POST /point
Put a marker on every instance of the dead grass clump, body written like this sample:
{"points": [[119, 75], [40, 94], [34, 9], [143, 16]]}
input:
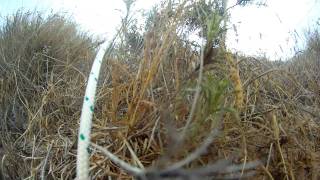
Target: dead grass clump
{"points": [[305, 68], [154, 110], [274, 116], [44, 63]]}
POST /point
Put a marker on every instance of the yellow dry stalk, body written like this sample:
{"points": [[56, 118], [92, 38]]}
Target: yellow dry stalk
{"points": [[235, 78], [176, 73], [275, 126], [276, 132]]}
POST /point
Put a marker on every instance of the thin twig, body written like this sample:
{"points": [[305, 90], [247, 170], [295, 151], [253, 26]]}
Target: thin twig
{"points": [[198, 152], [125, 166], [197, 93], [152, 132], [2, 166], [45, 162], [133, 154], [249, 81]]}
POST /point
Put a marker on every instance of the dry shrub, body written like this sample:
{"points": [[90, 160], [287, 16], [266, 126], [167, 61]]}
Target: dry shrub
{"points": [[257, 105], [44, 64]]}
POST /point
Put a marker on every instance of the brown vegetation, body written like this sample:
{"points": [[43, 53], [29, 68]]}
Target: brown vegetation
{"points": [[252, 109]]}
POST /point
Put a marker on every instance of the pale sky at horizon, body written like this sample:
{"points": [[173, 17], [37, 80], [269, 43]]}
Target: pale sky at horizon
{"points": [[273, 29], [261, 30]]}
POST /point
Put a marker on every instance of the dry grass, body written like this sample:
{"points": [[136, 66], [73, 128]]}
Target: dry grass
{"points": [[247, 109]]}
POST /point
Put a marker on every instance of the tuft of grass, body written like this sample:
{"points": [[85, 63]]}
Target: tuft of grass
{"points": [[44, 63]]}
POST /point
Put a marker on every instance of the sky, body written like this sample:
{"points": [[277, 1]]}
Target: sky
{"points": [[274, 30]]}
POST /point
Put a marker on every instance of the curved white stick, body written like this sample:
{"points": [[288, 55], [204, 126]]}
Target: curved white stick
{"points": [[86, 116]]}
